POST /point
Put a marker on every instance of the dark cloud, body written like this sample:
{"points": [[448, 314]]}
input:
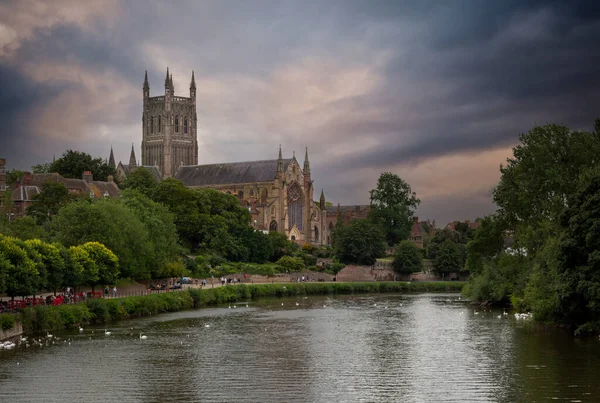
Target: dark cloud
{"points": [[368, 86]]}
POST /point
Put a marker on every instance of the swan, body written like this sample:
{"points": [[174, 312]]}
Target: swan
{"points": [[297, 304], [246, 305], [282, 304], [48, 335], [80, 329], [206, 325], [143, 337], [107, 333]]}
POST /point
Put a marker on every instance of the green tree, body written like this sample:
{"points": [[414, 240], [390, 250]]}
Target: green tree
{"points": [[53, 262], [73, 164], [360, 241], [47, 203], [4, 269], [291, 263], [77, 267], [22, 228], [160, 226], [111, 223], [106, 264], [487, 242], [407, 258], [579, 259], [20, 273], [537, 181], [40, 281], [13, 175], [141, 180], [449, 257], [41, 168], [280, 244], [392, 206]]}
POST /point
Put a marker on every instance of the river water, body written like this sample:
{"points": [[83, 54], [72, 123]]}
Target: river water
{"points": [[374, 348]]}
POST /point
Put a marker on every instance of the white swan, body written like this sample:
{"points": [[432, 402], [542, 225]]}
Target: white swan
{"points": [[107, 333], [80, 329], [143, 337], [297, 304]]}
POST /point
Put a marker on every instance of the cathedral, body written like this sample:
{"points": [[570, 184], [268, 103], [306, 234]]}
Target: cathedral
{"points": [[277, 192]]}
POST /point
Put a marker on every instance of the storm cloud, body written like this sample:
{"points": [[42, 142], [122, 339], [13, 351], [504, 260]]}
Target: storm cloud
{"points": [[434, 91]]}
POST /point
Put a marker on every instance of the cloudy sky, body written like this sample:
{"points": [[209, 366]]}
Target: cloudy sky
{"points": [[434, 91]]}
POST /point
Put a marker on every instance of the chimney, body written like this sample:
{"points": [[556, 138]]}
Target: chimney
{"points": [[87, 176], [111, 178], [27, 177]]}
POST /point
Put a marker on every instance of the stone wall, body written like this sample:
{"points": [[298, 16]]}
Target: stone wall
{"points": [[10, 333], [356, 273], [383, 271]]}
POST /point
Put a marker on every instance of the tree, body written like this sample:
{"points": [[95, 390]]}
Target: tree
{"points": [[439, 238], [537, 181], [20, 273], [106, 264], [41, 168], [114, 225], [360, 241], [77, 267], [73, 164], [47, 203], [579, 259], [13, 175], [449, 258], [142, 180], [392, 206], [160, 227], [487, 242], [22, 228], [280, 244], [407, 258], [53, 262]]}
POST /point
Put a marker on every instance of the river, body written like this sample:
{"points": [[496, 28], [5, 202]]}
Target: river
{"points": [[371, 348]]}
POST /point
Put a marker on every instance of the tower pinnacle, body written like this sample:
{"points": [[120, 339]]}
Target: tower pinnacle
{"points": [[111, 159], [193, 83], [132, 162], [280, 161], [167, 78], [146, 85], [306, 163]]}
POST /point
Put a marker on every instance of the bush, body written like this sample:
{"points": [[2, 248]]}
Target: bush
{"points": [[7, 321], [308, 248], [291, 263]]}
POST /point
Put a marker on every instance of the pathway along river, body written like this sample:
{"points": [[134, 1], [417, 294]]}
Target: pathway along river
{"points": [[384, 348]]}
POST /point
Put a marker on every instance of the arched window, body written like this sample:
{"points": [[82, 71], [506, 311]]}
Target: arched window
{"points": [[185, 125], [273, 226], [241, 194], [316, 234], [176, 124], [151, 125], [160, 124], [295, 206]]}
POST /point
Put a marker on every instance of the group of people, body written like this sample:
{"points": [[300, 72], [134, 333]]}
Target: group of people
{"points": [[225, 280], [302, 279], [114, 292]]}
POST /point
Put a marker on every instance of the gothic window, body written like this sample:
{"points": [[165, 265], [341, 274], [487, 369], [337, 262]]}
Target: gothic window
{"points": [[176, 124], [151, 125], [185, 125], [273, 226], [316, 234], [241, 194], [295, 206], [159, 124]]}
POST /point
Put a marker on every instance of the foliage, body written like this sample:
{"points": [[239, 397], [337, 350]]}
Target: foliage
{"points": [[20, 271], [160, 227], [47, 203], [542, 174], [392, 206], [107, 264], [7, 321], [52, 261], [22, 228], [407, 258], [171, 269], [291, 263], [13, 175], [142, 180], [308, 248], [281, 246], [43, 168], [72, 164], [487, 242], [448, 257], [360, 241], [111, 223]]}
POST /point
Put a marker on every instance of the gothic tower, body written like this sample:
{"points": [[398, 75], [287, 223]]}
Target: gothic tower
{"points": [[169, 128]]}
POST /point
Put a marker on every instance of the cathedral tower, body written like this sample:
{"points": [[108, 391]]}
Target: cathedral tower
{"points": [[169, 128]]}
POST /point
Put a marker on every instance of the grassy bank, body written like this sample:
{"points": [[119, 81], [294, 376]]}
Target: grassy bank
{"points": [[96, 311]]}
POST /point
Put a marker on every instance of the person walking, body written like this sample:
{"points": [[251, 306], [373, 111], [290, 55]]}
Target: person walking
{"points": [[115, 292]]}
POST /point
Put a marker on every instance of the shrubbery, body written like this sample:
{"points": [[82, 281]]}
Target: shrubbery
{"points": [[7, 321]]}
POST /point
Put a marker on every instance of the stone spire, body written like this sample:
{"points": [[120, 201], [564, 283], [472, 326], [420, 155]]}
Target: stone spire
{"points": [[193, 83], [322, 201], [171, 84], [146, 85], [111, 159], [132, 162], [167, 84], [280, 161], [306, 163]]}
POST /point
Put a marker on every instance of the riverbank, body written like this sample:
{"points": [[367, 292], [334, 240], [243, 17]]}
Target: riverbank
{"points": [[97, 311]]}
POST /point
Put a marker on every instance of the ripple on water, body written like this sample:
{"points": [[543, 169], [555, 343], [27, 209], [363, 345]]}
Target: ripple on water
{"points": [[421, 348]]}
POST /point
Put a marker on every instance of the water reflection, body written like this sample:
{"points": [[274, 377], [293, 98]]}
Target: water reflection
{"points": [[406, 348]]}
